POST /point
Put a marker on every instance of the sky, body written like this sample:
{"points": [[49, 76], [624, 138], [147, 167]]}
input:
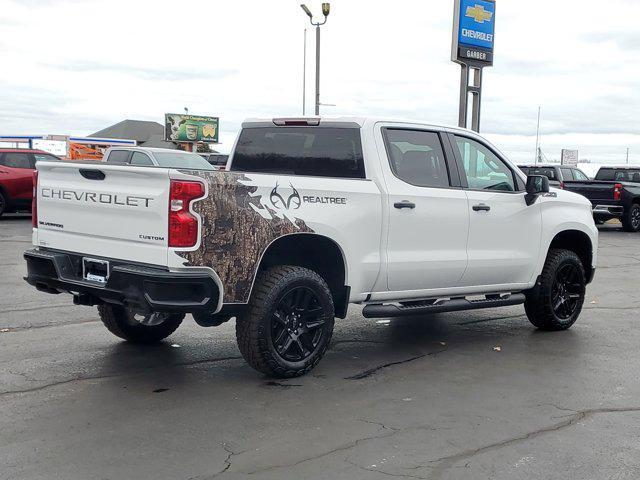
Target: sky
{"points": [[75, 67]]}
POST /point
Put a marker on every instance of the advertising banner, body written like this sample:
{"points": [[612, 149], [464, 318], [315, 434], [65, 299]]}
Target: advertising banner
{"points": [[190, 128], [473, 31]]}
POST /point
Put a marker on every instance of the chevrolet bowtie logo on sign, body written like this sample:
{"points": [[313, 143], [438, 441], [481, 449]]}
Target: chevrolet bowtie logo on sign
{"points": [[478, 13]]}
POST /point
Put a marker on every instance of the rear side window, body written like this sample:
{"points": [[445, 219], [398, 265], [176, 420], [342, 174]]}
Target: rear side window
{"points": [[118, 156], [16, 160], [317, 152], [417, 158], [550, 173], [567, 174]]}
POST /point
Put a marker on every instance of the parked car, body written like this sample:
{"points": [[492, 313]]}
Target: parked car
{"points": [[614, 193], [402, 218], [218, 160], [17, 167], [156, 157], [557, 174]]}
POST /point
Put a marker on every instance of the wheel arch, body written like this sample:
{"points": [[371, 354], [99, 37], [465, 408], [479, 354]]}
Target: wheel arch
{"points": [[578, 242], [315, 252]]}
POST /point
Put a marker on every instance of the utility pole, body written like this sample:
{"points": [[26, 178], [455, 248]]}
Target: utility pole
{"points": [[304, 75], [535, 161], [325, 13], [627, 155]]}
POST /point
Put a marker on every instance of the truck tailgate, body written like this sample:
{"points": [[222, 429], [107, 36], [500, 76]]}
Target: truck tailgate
{"points": [[594, 190], [103, 210]]}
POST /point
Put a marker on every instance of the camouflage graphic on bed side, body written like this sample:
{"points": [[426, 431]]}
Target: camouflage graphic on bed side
{"points": [[236, 229]]}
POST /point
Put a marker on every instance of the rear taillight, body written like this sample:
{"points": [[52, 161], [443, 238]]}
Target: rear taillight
{"points": [[34, 201], [562, 185], [617, 191], [183, 226]]}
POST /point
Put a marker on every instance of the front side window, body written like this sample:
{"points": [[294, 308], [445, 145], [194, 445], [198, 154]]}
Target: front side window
{"points": [[417, 158], [311, 151], [45, 157], [483, 169], [141, 159], [178, 159], [16, 160]]}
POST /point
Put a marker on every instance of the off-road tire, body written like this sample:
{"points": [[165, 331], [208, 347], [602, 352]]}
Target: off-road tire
{"points": [[631, 219], [254, 325], [538, 304], [121, 322]]}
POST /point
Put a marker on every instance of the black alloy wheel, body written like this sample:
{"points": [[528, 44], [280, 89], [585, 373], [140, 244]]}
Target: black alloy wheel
{"points": [[296, 324], [566, 291]]}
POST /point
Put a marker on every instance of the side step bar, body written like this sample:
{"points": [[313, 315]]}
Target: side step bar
{"points": [[439, 306]]}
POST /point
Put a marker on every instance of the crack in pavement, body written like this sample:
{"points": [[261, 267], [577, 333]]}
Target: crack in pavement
{"points": [[388, 474], [33, 309], [371, 371], [341, 448], [446, 462], [38, 327], [113, 375]]}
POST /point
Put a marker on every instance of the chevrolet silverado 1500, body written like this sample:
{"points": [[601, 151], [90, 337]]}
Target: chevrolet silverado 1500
{"points": [[403, 218]]}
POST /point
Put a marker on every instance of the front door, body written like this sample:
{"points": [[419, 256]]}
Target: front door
{"points": [[504, 233], [428, 212]]}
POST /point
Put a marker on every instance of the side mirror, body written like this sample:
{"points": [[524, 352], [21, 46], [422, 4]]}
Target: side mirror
{"points": [[536, 185]]}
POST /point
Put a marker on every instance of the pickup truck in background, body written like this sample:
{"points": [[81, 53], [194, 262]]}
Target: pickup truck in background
{"points": [[557, 174], [614, 193], [316, 214]]}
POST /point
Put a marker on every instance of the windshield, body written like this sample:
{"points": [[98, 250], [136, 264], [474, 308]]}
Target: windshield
{"points": [[182, 160]]}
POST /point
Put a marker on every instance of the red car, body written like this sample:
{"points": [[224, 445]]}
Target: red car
{"points": [[16, 177]]}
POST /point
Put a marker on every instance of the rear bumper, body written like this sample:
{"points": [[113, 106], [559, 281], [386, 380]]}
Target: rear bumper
{"points": [[608, 210], [141, 287]]}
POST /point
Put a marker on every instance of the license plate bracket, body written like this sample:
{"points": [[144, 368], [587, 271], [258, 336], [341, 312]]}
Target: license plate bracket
{"points": [[95, 270]]}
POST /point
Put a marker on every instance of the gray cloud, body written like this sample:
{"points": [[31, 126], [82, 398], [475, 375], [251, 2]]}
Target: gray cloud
{"points": [[146, 73]]}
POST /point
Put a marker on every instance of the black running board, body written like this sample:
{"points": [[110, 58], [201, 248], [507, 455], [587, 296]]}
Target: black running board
{"points": [[440, 306]]}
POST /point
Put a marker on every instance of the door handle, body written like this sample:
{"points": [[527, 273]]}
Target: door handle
{"points": [[481, 208], [405, 204]]}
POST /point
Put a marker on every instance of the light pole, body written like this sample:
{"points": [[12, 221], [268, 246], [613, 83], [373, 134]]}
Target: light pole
{"points": [[325, 13]]}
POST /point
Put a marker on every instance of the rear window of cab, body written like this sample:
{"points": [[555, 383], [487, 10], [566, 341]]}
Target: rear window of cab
{"points": [[308, 151]]}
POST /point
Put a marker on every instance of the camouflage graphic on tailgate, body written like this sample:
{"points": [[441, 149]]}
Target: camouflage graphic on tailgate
{"points": [[237, 226]]}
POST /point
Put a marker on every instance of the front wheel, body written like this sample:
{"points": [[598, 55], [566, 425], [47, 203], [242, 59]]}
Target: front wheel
{"points": [[287, 327], [631, 219], [137, 327], [556, 301]]}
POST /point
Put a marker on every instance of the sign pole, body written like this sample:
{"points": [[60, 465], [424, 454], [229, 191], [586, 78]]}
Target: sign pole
{"points": [[472, 48]]}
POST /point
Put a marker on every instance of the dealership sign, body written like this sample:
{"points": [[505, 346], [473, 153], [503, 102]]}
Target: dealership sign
{"points": [[191, 128], [473, 32]]}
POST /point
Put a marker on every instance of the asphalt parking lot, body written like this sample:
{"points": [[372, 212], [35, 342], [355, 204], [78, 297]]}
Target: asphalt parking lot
{"points": [[453, 396]]}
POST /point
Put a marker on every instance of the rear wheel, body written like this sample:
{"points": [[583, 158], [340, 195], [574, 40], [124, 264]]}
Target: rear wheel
{"points": [[3, 204], [136, 327], [631, 219], [556, 301], [287, 327]]}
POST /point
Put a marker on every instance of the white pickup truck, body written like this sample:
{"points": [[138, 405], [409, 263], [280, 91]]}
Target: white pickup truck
{"points": [[316, 214]]}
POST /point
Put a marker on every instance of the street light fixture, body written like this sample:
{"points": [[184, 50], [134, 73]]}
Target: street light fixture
{"points": [[325, 12]]}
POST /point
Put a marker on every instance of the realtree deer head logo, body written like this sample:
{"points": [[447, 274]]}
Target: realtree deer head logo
{"points": [[292, 202]]}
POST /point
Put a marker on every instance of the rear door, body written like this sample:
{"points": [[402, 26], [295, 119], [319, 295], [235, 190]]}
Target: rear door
{"points": [[428, 213], [504, 233], [104, 210]]}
